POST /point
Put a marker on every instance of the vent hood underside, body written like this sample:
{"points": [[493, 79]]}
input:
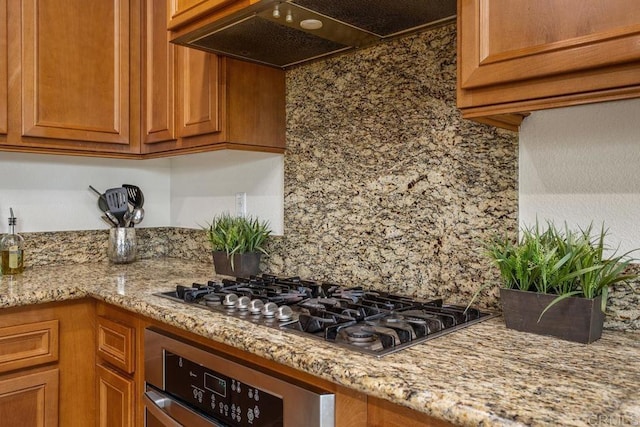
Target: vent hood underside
{"points": [[255, 34]]}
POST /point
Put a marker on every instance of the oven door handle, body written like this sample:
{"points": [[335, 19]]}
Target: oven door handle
{"points": [[173, 414]]}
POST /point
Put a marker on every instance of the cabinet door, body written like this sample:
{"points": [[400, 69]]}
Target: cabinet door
{"points": [[75, 71], [521, 51], [115, 399], [198, 96], [30, 400], [4, 100], [158, 109]]}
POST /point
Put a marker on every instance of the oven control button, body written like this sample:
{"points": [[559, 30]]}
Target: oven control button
{"points": [[256, 412], [250, 416], [256, 396], [221, 407]]}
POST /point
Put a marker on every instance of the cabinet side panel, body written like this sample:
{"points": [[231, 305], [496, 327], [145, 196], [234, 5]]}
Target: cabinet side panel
{"points": [[4, 100]]}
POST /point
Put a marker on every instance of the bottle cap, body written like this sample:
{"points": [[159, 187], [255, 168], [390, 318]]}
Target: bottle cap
{"points": [[12, 218]]}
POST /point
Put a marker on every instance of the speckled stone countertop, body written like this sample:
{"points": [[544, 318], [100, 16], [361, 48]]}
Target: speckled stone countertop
{"points": [[481, 375]]}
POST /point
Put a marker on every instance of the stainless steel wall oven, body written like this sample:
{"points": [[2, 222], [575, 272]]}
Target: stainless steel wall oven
{"points": [[188, 385]]}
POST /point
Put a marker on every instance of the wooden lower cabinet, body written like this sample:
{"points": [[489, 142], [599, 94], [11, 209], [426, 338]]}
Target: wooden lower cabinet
{"points": [[62, 382], [30, 399], [382, 413], [116, 398], [47, 372]]}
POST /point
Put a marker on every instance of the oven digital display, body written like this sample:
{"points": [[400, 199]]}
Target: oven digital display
{"points": [[219, 396], [215, 384]]}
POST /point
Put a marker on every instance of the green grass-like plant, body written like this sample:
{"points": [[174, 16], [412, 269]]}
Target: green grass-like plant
{"points": [[236, 234], [556, 261]]}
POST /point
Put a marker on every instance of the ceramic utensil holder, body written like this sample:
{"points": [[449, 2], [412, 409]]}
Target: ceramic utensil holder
{"points": [[123, 245]]}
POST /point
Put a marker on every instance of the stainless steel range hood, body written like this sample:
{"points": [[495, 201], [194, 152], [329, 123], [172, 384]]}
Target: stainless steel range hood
{"points": [[283, 33]]}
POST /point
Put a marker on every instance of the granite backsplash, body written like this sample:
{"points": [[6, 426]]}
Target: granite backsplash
{"points": [[385, 185]]}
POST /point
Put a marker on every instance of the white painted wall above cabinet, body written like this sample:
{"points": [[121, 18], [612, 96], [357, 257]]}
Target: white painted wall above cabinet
{"points": [[50, 193], [582, 164]]}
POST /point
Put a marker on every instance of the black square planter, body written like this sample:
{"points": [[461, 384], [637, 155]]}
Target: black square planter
{"points": [[574, 319], [244, 265]]}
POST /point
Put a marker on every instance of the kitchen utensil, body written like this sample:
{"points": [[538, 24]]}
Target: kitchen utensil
{"points": [[112, 219], [112, 223], [102, 202], [136, 197], [123, 247], [138, 215], [118, 203]]}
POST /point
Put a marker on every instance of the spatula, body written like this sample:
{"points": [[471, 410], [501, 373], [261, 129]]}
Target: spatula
{"points": [[117, 200], [136, 198]]}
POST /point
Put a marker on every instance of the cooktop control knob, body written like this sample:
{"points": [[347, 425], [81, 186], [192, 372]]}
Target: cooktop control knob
{"points": [[284, 313], [255, 306], [230, 300], [269, 309], [243, 303]]}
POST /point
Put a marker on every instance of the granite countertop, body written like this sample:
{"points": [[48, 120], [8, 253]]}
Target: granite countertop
{"points": [[483, 374]]}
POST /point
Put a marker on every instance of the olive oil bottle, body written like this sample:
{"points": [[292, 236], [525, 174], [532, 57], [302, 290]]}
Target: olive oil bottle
{"points": [[12, 250]]}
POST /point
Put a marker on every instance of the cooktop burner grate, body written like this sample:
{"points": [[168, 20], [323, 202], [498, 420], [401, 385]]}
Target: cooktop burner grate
{"points": [[367, 321]]}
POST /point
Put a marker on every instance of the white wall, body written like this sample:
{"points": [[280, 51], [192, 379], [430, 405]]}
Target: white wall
{"points": [[203, 185], [51, 193], [581, 165]]}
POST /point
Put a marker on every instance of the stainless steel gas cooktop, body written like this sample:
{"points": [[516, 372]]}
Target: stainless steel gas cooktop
{"points": [[367, 321]]}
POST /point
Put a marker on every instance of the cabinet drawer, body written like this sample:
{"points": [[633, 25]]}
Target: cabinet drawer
{"points": [[28, 345], [116, 344]]}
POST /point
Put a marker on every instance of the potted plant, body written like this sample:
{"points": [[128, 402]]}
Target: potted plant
{"points": [[237, 243], [555, 282]]}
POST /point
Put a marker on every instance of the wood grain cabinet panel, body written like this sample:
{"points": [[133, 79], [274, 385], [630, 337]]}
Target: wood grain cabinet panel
{"points": [[116, 344], [183, 11], [516, 56], [75, 64], [4, 100], [382, 413], [116, 398], [30, 400], [158, 76], [28, 345], [198, 98]]}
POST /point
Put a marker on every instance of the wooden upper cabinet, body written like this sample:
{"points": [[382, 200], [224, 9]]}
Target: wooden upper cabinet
{"points": [[183, 11], [158, 75], [194, 101], [517, 56], [76, 74], [105, 81], [4, 100], [198, 76]]}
